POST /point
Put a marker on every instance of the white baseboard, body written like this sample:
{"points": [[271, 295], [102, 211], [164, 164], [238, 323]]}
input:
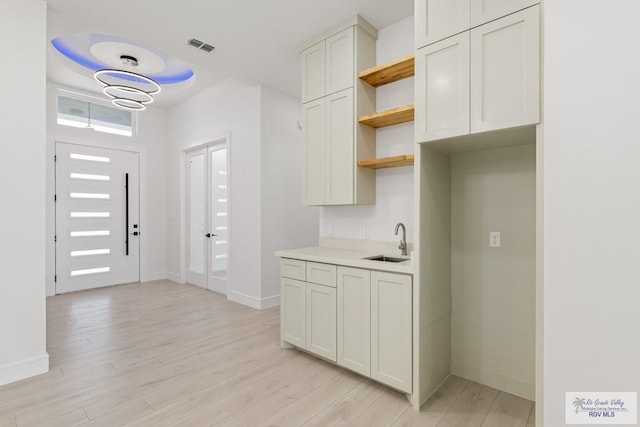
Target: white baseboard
{"points": [[150, 277], [270, 302], [501, 382], [174, 277], [253, 302], [17, 371]]}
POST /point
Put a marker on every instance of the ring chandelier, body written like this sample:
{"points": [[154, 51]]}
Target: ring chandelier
{"points": [[128, 90]]}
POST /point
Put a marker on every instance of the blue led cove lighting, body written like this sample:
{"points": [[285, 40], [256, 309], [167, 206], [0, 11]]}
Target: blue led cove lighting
{"points": [[94, 66]]}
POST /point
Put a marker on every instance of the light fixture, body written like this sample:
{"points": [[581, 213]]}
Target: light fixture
{"points": [[128, 90]]}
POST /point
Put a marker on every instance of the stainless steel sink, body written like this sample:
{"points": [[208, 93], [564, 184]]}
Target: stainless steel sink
{"points": [[384, 258]]}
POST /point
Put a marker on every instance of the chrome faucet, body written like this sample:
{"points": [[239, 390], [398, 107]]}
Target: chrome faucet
{"points": [[403, 241]]}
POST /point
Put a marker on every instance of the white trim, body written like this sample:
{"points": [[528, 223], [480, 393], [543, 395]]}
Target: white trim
{"points": [[16, 371], [269, 302], [150, 277], [174, 277], [509, 385], [253, 302]]}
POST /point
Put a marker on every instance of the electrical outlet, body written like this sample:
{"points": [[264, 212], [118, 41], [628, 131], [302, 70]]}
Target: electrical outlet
{"points": [[494, 239]]}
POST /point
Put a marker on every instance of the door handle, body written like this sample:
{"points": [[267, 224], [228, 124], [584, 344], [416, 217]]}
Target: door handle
{"points": [[210, 235], [126, 214]]}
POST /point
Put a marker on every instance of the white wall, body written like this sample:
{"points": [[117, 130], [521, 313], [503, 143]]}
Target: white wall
{"points": [[151, 142], [230, 108], [493, 289], [591, 200], [22, 184], [239, 111], [394, 186], [286, 223]]}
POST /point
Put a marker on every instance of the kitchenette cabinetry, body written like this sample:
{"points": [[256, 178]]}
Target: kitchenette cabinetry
{"points": [[332, 99], [391, 329], [483, 79], [439, 19], [483, 11], [356, 317], [308, 306]]}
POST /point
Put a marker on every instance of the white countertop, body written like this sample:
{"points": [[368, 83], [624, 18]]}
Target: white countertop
{"points": [[349, 258]]}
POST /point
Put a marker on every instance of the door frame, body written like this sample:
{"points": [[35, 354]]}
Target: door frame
{"points": [[184, 200], [50, 247]]}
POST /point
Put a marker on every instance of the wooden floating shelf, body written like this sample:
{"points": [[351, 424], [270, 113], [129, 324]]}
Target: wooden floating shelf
{"points": [[390, 72], [390, 117], [388, 162]]}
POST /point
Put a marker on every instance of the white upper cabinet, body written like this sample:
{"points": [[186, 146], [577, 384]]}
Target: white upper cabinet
{"points": [[480, 80], [438, 19], [328, 66], [483, 11], [331, 103], [313, 179], [340, 73], [340, 165], [313, 72], [442, 89], [505, 72]]}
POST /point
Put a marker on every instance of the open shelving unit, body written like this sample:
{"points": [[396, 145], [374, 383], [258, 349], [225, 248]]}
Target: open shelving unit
{"points": [[388, 162], [390, 117], [390, 72], [379, 75]]}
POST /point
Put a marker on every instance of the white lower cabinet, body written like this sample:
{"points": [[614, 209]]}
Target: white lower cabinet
{"points": [[354, 319], [391, 329], [293, 311], [321, 320], [360, 319]]}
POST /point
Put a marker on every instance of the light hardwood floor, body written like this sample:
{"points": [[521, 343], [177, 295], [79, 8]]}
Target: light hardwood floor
{"points": [[163, 354]]}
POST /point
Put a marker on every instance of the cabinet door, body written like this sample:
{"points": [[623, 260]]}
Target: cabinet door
{"points": [[340, 72], [313, 72], [340, 165], [505, 76], [391, 329], [354, 319], [293, 312], [439, 19], [483, 11], [442, 89], [313, 128], [321, 321]]}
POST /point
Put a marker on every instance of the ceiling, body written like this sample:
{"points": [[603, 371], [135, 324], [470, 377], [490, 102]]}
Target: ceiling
{"points": [[256, 40]]}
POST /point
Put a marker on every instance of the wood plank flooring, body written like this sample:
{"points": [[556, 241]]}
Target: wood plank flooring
{"points": [[162, 354]]}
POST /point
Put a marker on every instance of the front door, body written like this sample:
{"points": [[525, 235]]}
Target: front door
{"points": [[97, 217]]}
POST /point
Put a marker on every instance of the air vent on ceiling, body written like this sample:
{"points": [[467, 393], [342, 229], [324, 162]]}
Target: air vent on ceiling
{"points": [[201, 45]]}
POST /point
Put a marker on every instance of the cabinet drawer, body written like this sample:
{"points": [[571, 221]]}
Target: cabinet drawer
{"points": [[292, 268], [322, 274]]}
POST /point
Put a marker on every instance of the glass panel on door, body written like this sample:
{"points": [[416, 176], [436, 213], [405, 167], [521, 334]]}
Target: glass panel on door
{"points": [[219, 212]]}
